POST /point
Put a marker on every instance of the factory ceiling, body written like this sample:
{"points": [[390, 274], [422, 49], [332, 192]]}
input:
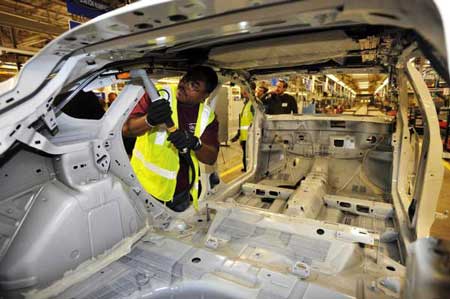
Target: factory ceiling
{"points": [[26, 26]]}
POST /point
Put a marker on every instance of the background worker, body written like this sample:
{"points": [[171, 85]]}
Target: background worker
{"points": [[278, 102], [112, 96], [160, 167], [245, 120], [260, 91]]}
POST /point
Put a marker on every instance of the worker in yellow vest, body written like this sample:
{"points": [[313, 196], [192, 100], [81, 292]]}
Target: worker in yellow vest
{"points": [[245, 120], [163, 171]]}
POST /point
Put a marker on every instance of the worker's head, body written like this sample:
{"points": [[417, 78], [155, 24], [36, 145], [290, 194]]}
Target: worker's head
{"points": [[260, 91], [196, 85], [111, 97], [281, 87], [244, 94]]}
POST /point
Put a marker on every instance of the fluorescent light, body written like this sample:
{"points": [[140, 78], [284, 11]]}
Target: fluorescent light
{"points": [[382, 85], [160, 40], [335, 79], [8, 66], [243, 25]]}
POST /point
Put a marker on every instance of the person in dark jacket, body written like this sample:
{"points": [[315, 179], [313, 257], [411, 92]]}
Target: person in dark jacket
{"points": [[278, 102]]}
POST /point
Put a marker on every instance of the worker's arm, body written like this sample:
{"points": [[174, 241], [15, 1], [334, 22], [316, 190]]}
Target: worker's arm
{"points": [[236, 137], [158, 113], [238, 133], [210, 144], [207, 154], [204, 152], [293, 104], [294, 107], [206, 148], [135, 127]]}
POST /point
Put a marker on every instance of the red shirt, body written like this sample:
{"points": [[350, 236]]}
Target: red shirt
{"points": [[187, 118]]}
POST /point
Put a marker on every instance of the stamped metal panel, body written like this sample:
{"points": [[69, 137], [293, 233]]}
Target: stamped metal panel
{"points": [[431, 171], [18, 194]]}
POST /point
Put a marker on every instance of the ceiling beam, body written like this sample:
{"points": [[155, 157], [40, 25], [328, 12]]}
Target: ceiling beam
{"points": [[30, 25], [32, 40], [19, 51], [34, 15], [45, 10]]}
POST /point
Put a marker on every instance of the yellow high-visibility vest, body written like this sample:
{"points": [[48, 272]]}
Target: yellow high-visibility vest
{"points": [[245, 121], [156, 162]]}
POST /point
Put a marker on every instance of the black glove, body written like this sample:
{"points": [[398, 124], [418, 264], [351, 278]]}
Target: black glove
{"points": [[236, 137], [182, 139], [159, 112]]}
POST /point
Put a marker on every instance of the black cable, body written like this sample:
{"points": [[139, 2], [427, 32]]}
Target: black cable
{"points": [[188, 159]]}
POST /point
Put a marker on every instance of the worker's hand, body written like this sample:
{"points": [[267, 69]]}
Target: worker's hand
{"points": [[159, 112], [182, 139], [236, 137]]}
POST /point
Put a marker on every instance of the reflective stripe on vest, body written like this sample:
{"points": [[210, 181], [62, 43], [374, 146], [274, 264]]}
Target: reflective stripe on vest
{"points": [[162, 156], [245, 121], [155, 168]]}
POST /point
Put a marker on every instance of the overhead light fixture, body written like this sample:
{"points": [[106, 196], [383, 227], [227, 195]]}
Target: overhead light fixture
{"points": [[335, 79], [243, 25], [160, 40], [385, 82], [8, 66]]}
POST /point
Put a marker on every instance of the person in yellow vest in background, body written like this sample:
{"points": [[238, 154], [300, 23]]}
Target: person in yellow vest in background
{"points": [[161, 169], [245, 120]]}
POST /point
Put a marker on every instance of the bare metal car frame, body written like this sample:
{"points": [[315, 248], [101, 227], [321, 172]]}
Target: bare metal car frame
{"points": [[76, 222]]}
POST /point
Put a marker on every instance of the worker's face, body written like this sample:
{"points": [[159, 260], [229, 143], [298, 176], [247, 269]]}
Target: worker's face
{"points": [[111, 97], [280, 89], [191, 92], [259, 92], [244, 94]]}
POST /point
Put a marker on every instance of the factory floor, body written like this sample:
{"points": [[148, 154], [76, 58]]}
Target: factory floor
{"points": [[229, 164], [229, 161]]}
